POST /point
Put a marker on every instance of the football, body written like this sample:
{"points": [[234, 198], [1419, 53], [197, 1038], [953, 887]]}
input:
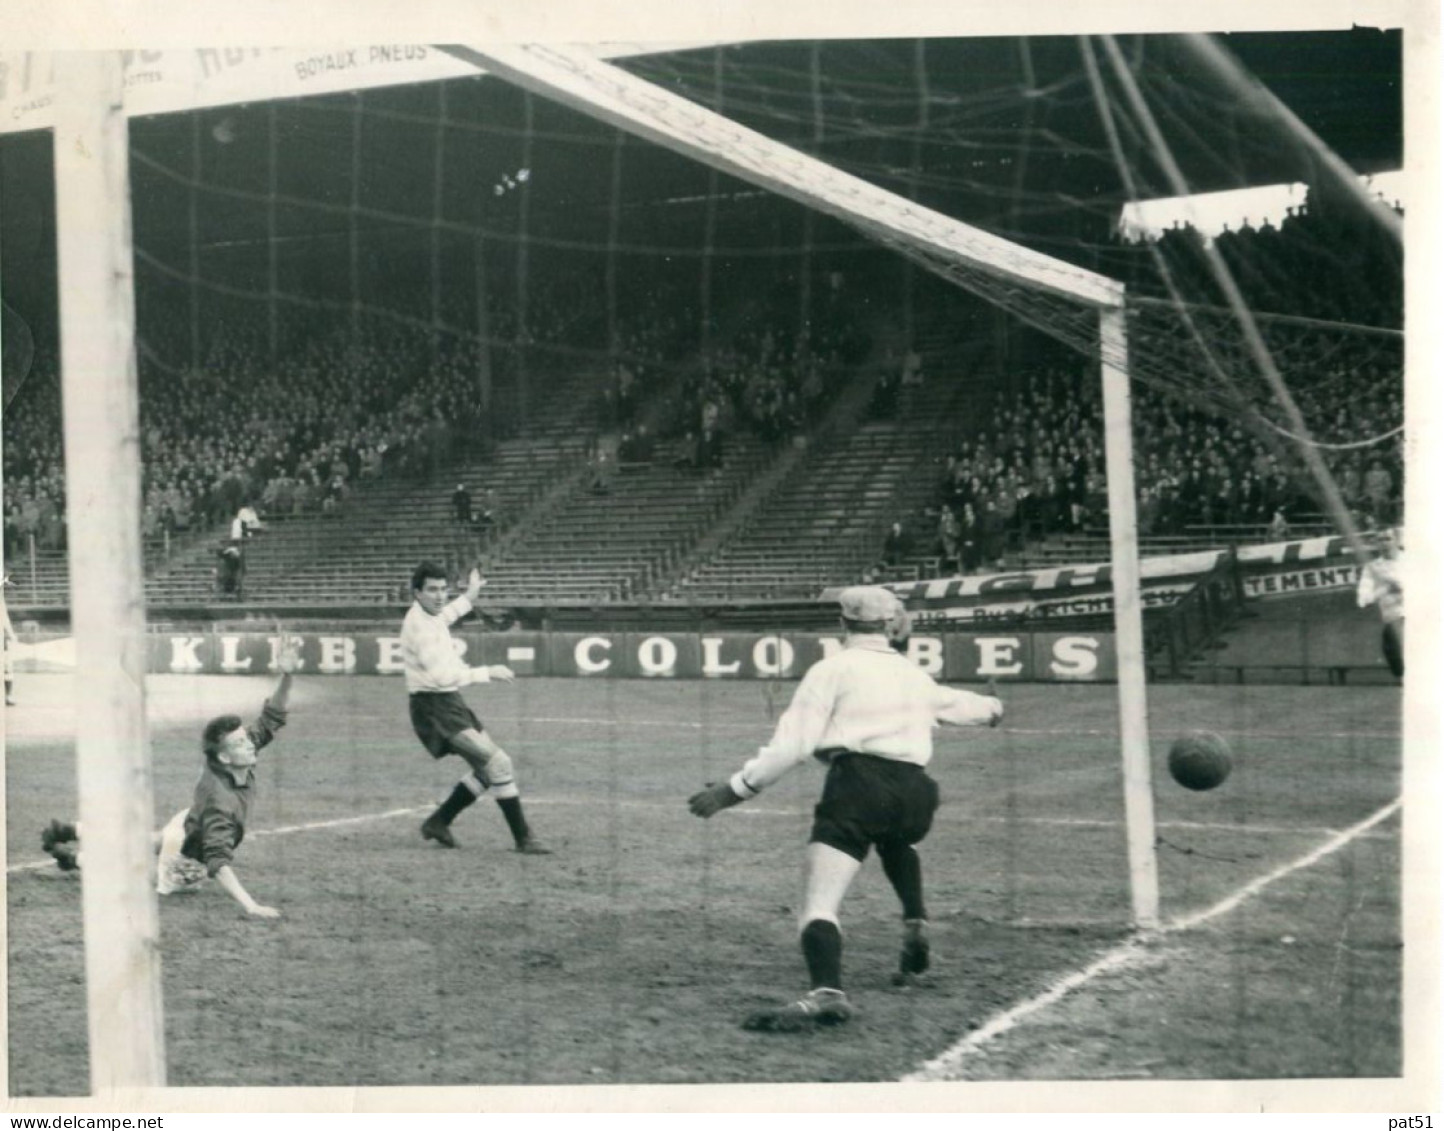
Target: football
{"points": [[1199, 760]]}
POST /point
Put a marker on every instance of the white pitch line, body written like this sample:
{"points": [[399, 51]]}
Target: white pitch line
{"points": [[339, 821], [1253, 887], [941, 1067]]}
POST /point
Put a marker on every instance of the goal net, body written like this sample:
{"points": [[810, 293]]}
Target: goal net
{"points": [[531, 244]]}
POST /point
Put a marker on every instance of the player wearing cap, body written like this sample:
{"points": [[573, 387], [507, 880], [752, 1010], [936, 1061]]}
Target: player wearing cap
{"points": [[868, 713], [440, 716]]}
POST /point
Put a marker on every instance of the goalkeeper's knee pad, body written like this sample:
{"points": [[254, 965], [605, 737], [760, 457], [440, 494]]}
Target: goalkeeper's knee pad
{"points": [[499, 771]]}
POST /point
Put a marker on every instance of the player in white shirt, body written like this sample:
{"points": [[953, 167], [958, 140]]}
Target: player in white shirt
{"points": [[1381, 583], [868, 712], [441, 718]]}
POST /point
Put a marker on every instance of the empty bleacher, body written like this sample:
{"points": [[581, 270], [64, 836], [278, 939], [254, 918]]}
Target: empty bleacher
{"points": [[600, 547], [824, 523]]}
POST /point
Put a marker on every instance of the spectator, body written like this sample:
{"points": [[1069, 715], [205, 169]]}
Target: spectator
{"points": [[599, 476], [461, 512], [709, 448], [687, 452], [486, 515], [948, 535], [970, 540], [884, 402], [897, 546], [642, 444], [245, 523], [334, 494], [912, 369], [1378, 491], [230, 570], [990, 536]]}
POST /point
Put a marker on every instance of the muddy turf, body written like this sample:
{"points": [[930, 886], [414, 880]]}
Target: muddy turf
{"points": [[632, 954]]}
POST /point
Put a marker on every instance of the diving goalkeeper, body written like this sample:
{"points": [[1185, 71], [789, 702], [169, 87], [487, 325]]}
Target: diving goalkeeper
{"points": [[200, 842]]}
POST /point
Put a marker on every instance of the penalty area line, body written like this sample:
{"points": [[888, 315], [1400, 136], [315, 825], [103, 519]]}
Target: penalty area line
{"points": [[943, 1066]]}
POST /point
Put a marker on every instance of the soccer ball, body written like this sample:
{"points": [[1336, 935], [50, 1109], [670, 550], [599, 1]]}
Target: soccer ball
{"points": [[1199, 760]]}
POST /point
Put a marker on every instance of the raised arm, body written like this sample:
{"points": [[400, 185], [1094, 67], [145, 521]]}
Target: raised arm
{"points": [[288, 659]]}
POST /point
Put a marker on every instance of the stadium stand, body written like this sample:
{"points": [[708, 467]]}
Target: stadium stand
{"points": [[346, 444], [822, 522]]}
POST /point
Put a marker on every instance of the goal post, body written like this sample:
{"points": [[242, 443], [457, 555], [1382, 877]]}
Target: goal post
{"points": [[581, 81], [103, 485], [1128, 618], [577, 79]]}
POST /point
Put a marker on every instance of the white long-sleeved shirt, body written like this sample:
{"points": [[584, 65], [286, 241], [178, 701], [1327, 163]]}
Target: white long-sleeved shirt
{"points": [[427, 651], [1379, 583], [867, 699]]}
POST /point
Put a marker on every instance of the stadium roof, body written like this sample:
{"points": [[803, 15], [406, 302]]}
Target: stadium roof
{"points": [[1001, 133]]}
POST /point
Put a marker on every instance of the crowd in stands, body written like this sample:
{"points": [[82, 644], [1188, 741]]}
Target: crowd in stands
{"points": [[349, 402], [678, 393], [33, 468], [287, 436], [346, 403], [1035, 466], [1038, 470], [1328, 259]]}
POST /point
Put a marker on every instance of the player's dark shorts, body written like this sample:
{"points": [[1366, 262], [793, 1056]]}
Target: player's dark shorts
{"points": [[868, 801], [438, 715]]}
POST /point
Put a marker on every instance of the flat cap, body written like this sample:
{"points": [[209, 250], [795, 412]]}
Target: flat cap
{"points": [[869, 603]]}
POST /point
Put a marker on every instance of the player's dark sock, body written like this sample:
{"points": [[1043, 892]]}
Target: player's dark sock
{"points": [[461, 797], [515, 819], [1393, 648], [822, 948], [904, 870]]}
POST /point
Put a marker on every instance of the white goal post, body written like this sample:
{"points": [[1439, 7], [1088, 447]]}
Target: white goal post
{"points": [[107, 595]]}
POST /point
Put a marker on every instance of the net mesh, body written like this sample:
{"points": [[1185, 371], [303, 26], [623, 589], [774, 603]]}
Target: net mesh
{"points": [[456, 232], [1324, 282], [354, 268]]}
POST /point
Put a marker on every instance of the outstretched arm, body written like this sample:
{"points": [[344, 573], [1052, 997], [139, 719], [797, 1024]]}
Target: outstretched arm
{"points": [[219, 836], [960, 707], [797, 735], [227, 878]]}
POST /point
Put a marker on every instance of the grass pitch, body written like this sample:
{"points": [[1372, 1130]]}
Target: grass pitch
{"points": [[632, 954]]}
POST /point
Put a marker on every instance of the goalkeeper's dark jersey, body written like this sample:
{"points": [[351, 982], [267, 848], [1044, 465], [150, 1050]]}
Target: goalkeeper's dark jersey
{"points": [[216, 823]]}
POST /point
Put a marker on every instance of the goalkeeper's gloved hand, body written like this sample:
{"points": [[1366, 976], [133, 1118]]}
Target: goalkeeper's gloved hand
{"points": [[712, 800]]}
